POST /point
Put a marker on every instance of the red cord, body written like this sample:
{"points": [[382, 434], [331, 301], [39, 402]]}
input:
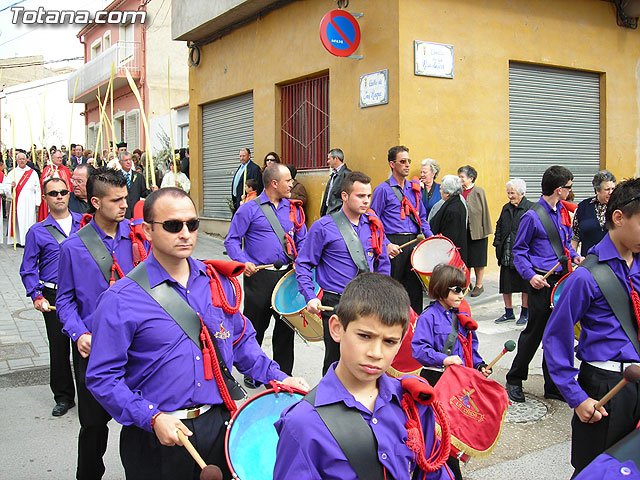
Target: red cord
{"points": [[115, 268], [217, 373], [218, 297], [467, 349], [296, 214]]}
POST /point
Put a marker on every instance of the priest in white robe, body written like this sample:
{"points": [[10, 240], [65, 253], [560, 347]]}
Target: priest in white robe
{"points": [[28, 196]]}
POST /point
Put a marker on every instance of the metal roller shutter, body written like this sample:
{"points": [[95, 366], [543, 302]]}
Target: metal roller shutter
{"points": [[132, 130], [227, 126], [554, 119]]}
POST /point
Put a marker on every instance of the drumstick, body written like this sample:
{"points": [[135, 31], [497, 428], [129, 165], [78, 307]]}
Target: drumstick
{"points": [[325, 308], [631, 374], [277, 265], [562, 261], [419, 237], [509, 346], [209, 472]]}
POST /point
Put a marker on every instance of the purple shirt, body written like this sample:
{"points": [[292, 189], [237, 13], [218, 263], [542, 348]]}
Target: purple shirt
{"points": [[41, 254], [307, 450], [80, 280], [602, 337], [326, 250], [432, 329], [387, 206], [532, 248], [606, 466], [261, 245], [142, 362]]}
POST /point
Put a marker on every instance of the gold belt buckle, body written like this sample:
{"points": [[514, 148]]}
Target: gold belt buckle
{"points": [[193, 413]]}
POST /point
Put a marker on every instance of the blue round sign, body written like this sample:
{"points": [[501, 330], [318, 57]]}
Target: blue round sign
{"points": [[340, 33]]}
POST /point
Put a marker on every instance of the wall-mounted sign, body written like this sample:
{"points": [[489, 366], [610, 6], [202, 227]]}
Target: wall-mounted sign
{"points": [[433, 59], [340, 33], [374, 89]]}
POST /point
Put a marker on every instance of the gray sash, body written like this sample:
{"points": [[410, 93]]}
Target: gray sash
{"points": [[97, 250], [550, 229], [57, 236], [615, 295], [354, 245], [354, 436], [275, 224]]}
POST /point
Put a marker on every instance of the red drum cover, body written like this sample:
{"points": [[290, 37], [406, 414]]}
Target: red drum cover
{"points": [[476, 407]]}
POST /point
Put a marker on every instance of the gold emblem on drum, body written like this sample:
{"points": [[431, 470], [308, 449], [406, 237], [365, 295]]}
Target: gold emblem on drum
{"points": [[466, 405], [223, 333]]}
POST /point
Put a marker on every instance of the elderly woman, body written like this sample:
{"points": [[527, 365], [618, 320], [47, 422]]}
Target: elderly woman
{"points": [[588, 222], [430, 189], [479, 225], [270, 158], [451, 217], [506, 228]]}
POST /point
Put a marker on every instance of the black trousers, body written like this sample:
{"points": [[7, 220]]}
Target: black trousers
{"points": [[531, 337], [401, 270], [588, 440], [331, 348], [93, 436], [145, 458], [257, 308], [60, 376]]}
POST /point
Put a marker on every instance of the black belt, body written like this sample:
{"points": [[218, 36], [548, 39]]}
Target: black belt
{"points": [[544, 272]]}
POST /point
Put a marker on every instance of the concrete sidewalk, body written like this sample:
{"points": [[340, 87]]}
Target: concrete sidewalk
{"points": [[37, 445]]}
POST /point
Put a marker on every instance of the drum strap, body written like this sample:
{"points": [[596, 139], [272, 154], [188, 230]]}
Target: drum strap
{"points": [[354, 245], [186, 318], [627, 449], [55, 233], [615, 295], [451, 340], [550, 229], [355, 438], [275, 225], [400, 195], [97, 250]]}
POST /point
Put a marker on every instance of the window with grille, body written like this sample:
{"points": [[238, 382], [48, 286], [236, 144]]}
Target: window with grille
{"points": [[305, 123]]}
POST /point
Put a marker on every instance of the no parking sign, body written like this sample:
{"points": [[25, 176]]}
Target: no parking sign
{"points": [[340, 33]]}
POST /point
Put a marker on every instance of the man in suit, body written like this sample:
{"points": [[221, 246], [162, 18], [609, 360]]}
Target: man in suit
{"points": [[77, 158], [252, 171], [332, 198], [136, 184]]}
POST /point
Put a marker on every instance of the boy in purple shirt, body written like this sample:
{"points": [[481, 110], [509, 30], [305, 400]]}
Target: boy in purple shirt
{"points": [[604, 348], [369, 324]]}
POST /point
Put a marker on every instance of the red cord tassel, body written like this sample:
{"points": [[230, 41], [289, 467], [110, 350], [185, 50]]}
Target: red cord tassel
{"points": [[635, 301], [217, 373]]}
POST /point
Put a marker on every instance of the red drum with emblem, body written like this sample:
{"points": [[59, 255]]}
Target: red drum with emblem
{"points": [[433, 251], [476, 407]]}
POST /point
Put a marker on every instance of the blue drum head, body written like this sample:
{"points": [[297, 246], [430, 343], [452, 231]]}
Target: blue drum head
{"points": [[252, 438], [288, 300]]}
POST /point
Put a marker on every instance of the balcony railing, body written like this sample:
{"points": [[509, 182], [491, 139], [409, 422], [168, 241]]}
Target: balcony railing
{"points": [[123, 55]]}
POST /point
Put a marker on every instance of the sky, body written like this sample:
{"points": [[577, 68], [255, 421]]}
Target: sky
{"points": [[54, 42]]}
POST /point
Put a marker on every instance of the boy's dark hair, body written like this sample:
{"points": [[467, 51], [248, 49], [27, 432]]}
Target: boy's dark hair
{"points": [[147, 209], [99, 181], [554, 177], [253, 183], [351, 178], [374, 294], [393, 152], [626, 198], [443, 277]]}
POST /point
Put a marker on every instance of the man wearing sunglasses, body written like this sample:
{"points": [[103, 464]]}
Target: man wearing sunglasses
{"points": [[39, 273], [148, 373], [398, 203], [98, 254], [264, 246], [542, 244]]}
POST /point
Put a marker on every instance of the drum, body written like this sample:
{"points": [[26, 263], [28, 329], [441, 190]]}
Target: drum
{"points": [[251, 439], [289, 303], [476, 407], [555, 296], [433, 251]]}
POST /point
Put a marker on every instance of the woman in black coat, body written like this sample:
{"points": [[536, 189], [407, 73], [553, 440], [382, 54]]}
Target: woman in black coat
{"points": [[452, 216], [506, 228]]}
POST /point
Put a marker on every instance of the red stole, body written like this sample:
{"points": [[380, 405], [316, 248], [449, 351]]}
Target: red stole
{"points": [[48, 172], [21, 183]]}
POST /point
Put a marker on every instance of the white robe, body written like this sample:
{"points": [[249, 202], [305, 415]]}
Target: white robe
{"points": [[30, 198], [169, 180]]}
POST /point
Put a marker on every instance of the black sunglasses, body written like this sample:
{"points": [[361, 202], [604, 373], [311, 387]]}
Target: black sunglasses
{"points": [[175, 226], [55, 193], [568, 187], [457, 290]]}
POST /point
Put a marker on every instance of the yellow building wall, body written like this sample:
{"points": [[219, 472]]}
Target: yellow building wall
{"points": [[465, 120], [283, 46]]}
